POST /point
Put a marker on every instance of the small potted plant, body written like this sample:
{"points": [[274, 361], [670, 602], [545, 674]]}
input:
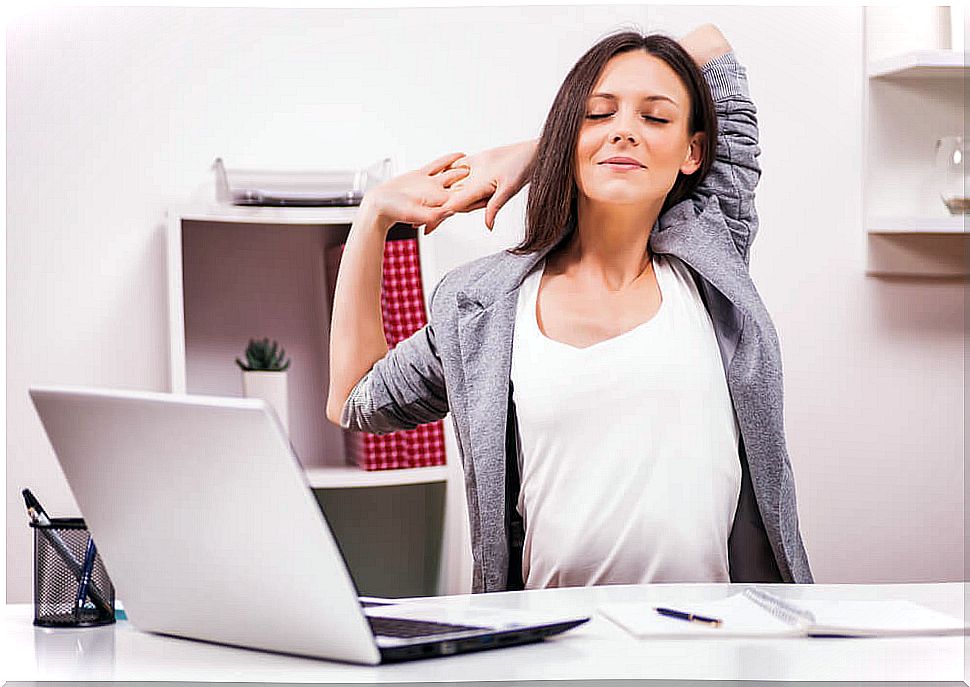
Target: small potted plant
{"points": [[264, 376]]}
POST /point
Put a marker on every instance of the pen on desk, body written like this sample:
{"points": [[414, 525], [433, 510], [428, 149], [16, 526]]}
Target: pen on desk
{"points": [[86, 569], [690, 617], [39, 516]]}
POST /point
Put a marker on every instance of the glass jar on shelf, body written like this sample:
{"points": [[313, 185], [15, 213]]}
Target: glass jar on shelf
{"points": [[951, 169]]}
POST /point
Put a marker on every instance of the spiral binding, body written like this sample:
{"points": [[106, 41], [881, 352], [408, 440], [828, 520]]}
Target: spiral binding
{"points": [[779, 608]]}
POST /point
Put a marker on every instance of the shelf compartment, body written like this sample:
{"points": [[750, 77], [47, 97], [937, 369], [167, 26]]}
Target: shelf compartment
{"points": [[920, 64], [235, 282]]}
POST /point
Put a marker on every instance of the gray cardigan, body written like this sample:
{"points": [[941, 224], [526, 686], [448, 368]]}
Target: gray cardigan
{"points": [[461, 360]]}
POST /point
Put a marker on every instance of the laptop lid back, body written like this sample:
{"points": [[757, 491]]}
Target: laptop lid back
{"points": [[205, 520]]}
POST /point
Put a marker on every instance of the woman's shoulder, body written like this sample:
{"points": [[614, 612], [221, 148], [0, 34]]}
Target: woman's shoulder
{"points": [[489, 271], [484, 277]]}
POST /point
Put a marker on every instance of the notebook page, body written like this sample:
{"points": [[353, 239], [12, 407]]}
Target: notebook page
{"points": [[740, 617], [879, 617]]}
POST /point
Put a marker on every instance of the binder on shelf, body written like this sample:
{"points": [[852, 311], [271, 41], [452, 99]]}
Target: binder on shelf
{"points": [[403, 313]]}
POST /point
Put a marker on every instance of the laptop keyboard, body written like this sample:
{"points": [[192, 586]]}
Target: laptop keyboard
{"points": [[397, 627]]}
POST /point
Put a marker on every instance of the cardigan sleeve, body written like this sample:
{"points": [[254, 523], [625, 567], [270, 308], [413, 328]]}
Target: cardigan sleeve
{"points": [[735, 171], [404, 389]]}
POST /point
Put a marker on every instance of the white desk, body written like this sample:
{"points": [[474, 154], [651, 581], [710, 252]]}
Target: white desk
{"points": [[597, 649]]}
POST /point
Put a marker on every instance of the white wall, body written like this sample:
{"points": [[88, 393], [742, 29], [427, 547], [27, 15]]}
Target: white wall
{"points": [[116, 113]]}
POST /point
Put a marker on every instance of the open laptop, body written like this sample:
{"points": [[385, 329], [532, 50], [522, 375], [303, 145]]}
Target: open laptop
{"points": [[209, 530]]}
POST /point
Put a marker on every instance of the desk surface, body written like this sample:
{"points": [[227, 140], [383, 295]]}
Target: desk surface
{"points": [[598, 649]]}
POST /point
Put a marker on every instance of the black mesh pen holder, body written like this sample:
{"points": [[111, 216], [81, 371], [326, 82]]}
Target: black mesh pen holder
{"points": [[59, 556]]}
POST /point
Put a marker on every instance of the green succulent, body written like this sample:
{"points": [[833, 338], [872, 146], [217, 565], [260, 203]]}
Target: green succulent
{"points": [[263, 356]]}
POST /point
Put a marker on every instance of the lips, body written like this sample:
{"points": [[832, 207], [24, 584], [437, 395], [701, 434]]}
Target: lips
{"points": [[622, 162]]}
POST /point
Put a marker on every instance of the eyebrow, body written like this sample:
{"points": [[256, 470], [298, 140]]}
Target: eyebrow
{"points": [[610, 96]]}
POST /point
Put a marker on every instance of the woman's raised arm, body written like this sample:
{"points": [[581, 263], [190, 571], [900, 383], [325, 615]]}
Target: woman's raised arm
{"points": [[357, 340], [735, 171]]}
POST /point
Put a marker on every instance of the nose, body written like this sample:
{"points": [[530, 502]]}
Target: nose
{"points": [[621, 131], [617, 137]]}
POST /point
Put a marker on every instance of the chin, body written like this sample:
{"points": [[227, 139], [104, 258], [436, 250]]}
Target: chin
{"points": [[614, 197]]}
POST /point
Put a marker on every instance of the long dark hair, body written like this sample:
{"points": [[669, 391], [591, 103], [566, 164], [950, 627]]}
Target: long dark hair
{"points": [[551, 207]]}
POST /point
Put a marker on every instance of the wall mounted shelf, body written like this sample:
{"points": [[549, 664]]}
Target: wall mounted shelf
{"points": [[956, 224], [911, 99], [920, 64]]}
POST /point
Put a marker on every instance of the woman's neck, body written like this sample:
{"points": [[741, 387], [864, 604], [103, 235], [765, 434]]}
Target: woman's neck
{"points": [[609, 248]]}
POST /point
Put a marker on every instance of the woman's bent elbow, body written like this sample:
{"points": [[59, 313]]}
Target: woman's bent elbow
{"points": [[334, 411]]}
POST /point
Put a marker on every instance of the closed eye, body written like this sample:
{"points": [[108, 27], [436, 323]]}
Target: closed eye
{"points": [[603, 116]]}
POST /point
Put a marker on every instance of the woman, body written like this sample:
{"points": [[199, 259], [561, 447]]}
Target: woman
{"points": [[619, 362]]}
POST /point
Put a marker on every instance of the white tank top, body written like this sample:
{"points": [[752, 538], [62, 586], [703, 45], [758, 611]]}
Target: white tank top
{"points": [[630, 469]]}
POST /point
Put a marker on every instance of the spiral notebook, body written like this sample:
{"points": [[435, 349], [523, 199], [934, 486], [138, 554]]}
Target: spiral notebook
{"points": [[756, 613]]}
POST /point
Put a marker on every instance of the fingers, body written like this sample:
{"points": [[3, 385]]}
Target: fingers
{"points": [[450, 176], [430, 218], [463, 161], [478, 206], [433, 192], [431, 226], [467, 199], [495, 203], [441, 163]]}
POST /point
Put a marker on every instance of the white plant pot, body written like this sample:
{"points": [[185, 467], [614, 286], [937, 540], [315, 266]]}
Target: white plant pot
{"points": [[271, 387]]}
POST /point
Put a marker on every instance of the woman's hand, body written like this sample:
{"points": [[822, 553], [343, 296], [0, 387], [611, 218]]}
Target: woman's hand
{"points": [[417, 197], [495, 175]]}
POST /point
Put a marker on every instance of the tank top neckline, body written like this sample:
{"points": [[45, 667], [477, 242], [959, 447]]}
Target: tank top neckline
{"points": [[534, 307]]}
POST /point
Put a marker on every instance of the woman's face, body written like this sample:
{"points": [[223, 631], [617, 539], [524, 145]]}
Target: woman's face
{"points": [[638, 109]]}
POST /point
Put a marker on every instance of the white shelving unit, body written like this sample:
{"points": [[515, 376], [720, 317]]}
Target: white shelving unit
{"points": [[911, 99], [236, 273], [350, 476]]}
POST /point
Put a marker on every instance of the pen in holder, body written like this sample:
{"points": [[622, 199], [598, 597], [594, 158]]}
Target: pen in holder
{"points": [[71, 585]]}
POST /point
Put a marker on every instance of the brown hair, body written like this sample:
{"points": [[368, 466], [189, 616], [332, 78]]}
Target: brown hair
{"points": [[551, 206]]}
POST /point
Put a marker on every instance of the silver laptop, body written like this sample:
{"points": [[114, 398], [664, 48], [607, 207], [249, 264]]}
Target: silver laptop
{"points": [[209, 530]]}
